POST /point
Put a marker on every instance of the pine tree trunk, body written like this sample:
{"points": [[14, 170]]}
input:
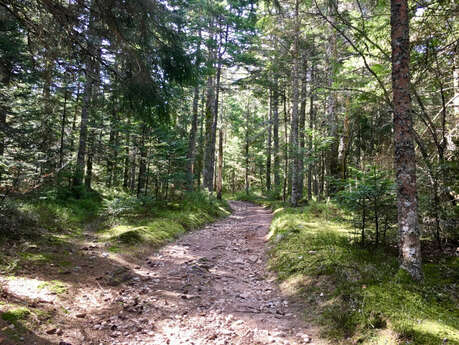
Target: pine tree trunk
{"points": [[301, 128], [111, 151], [215, 121], [219, 183], [456, 82], [133, 165], [286, 153], [247, 182], [63, 124], [126, 159], [405, 159], [192, 140], [208, 152], [191, 153], [277, 182], [294, 124], [269, 144], [200, 157], [80, 163], [141, 180], [89, 164], [47, 136], [3, 114], [311, 128], [332, 153], [91, 70]]}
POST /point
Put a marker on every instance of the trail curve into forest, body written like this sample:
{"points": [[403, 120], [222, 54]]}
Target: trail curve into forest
{"points": [[209, 287]]}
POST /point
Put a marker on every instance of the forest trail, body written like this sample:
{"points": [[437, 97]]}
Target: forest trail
{"points": [[209, 287]]}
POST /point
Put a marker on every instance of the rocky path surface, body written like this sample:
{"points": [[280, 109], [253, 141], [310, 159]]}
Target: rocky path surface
{"points": [[209, 287]]}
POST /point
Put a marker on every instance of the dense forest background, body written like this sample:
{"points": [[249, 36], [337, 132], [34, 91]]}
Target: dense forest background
{"points": [[292, 99]]}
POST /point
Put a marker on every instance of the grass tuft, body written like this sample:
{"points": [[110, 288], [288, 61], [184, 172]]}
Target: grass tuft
{"points": [[15, 315], [54, 286]]}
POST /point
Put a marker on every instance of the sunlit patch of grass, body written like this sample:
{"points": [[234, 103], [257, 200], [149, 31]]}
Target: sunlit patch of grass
{"points": [[54, 286], [160, 225], [42, 258], [15, 315], [8, 265], [153, 232], [359, 294], [37, 257]]}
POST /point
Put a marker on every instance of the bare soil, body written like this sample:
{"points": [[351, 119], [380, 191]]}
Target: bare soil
{"points": [[209, 287]]}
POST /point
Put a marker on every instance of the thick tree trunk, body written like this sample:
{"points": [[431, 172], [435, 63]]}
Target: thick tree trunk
{"points": [[405, 160]]}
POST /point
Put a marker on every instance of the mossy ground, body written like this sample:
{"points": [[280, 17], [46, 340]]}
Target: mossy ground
{"points": [[15, 315], [358, 294]]}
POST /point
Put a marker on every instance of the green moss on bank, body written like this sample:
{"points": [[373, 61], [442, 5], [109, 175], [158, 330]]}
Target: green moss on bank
{"points": [[359, 295], [15, 315], [162, 224]]}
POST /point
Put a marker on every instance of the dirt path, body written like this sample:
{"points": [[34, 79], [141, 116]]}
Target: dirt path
{"points": [[209, 287]]}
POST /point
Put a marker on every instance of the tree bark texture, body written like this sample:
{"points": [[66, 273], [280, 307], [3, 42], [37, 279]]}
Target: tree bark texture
{"points": [[405, 160], [208, 152], [332, 153], [269, 144], [294, 123], [277, 181]]}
